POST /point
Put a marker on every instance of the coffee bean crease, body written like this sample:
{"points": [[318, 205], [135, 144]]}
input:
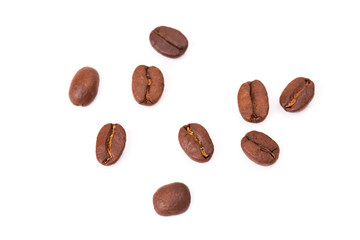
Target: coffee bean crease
{"points": [[295, 95], [165, 39], [147, 94], [254, 116], [263, 148], [202, 149], [109, 142]]}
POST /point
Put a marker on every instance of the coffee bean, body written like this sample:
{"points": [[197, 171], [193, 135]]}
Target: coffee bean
{"points": [[84, 86], [196, 142], [253, 101], [110, 143], [168, 41], [297, 94], [260, 148], [147, 85], [172, 199]]}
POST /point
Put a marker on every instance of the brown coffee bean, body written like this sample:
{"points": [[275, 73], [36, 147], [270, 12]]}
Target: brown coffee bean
{"points": [[84, 86], [196, 142], [260, 148], [147, 85], [110, 143], [168, 41], [297, 94], [172, 199], [253, 101]]}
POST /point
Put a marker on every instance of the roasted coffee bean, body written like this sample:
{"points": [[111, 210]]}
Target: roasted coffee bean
{"points": [[196, 142], [84, 86], [110, 143], [297, 94], [168, 41], [172, 199], [147, 85], [253, 101], [260, 148]]}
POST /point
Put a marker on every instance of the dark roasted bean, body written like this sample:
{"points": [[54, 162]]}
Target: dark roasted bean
{"points": [[253, 101], [196, 142], [110, 143], [260, 148], [168, 41], [84, 86], [147, 85], [297, 94], [172, 199]]}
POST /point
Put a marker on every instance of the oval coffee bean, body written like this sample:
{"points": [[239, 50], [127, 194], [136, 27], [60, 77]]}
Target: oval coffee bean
{"points": [[253, 101], [110, 143], [260, 148], [168, 41], [196, 142], [84, 86], [297, 94], [172, 199], [147, 85]]}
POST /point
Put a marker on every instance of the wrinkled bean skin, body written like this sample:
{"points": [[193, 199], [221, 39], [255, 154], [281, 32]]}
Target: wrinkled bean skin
{"points": [[196, 142], [147, 85], [172, 199], [110, 143], [84, 86], [297, 94], [260, 148], [168, 41], [253, 101]]}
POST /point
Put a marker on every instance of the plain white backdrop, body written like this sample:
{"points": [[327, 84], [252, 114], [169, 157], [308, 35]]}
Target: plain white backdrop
{"points": [[51, 185]]}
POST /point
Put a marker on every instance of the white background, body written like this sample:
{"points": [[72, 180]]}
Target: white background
{"points": [[52, 186]]}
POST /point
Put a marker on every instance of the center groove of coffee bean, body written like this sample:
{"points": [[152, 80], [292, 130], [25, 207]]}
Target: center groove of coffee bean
{"points": [[163, 37], [148, 77], [108, 143], [263, 148], [295, 96], [253, 115], [202, 149]]}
